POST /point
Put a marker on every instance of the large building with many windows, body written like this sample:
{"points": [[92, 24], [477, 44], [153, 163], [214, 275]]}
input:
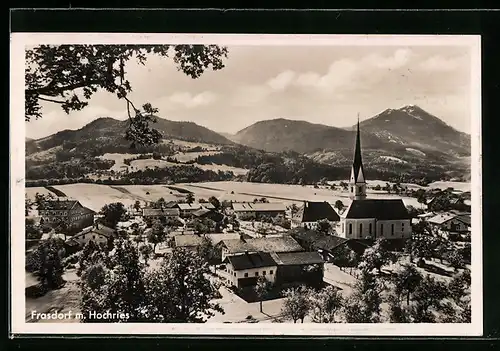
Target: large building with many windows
{"points": [[371, 218], [69, 213]]}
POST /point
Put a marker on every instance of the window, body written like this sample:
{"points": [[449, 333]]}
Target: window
{"points": [[350, 228], [93, 236], [392, 229], [264, 273], [381, 229], [360, 228], [352, 189], [370, 228], [256, 274], [246, 275], [342, 227], [403, 226], [234, 274], [271, 272]]}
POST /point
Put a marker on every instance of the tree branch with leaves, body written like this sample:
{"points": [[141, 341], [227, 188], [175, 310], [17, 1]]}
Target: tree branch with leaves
{"points": [[69, 75]]}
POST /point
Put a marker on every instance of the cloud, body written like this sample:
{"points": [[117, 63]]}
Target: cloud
{"points": [[282, 80], [398, 59], [440, 63], [189, 100]]}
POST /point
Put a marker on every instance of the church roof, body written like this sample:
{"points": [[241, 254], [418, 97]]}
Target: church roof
{"points": [[316, 211], [381, 209]]}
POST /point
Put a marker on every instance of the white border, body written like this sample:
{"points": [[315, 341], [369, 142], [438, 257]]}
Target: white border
{"points": [[17, 152]]}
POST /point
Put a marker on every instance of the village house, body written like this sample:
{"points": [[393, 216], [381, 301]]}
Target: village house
{"points": [[303, 267], [327, 245], [186, 210], [372, 218], [163, 213], [98, 233], [208, 213], [311, 212], [448, 223], [70, 212], [244, 269], [252, 210], [189, 242], [278, 244]]}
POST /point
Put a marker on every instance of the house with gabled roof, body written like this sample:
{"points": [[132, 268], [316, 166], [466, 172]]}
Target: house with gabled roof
{"points": [[244, 210], [244, 269], [279, 244], [160, 213], [70, 212], [311, 212], [98, 233], [450, 223]]}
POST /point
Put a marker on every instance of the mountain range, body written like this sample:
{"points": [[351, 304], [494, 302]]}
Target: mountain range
{"points": [[405, 135]]}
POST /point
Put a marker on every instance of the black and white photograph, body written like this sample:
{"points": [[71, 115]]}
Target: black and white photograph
{"points": [[207, 184]]}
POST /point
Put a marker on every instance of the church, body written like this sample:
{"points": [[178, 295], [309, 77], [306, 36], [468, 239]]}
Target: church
{"points": [[371, 218]]}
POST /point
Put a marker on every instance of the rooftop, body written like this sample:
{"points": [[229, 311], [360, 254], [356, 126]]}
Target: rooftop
{"points": [[441, 218], [98, 229], [259, 207], [297, 258], [381, 209], [148, 212], [316, 211], [275, 244], [251, 260], [188, 240], [189, 206]]}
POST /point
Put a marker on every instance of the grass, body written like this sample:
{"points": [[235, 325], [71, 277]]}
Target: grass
{"points": [[58, 192]]}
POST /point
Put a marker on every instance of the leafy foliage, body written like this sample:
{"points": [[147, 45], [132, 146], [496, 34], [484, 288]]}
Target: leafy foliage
{"points": [[45, 262], [112, 214], [69, 75], [296, 304], [179, 292], [325, 304], [262, 289]]}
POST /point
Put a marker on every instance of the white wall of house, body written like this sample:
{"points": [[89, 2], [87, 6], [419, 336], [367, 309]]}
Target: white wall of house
{"points": [[453, 225], [268, 272], [354, 228], [310, 225], [85, 238]]}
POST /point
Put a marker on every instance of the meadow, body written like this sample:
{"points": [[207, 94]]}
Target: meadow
{"points": [[95, 196]]}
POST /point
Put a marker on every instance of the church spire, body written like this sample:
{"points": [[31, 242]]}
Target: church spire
{"points": [[357, 180]]}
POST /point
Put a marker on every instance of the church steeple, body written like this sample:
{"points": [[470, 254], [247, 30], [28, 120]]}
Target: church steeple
{"points": [[357, 181]]}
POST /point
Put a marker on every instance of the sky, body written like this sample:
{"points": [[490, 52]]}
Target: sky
{"points": [[320, 84]]}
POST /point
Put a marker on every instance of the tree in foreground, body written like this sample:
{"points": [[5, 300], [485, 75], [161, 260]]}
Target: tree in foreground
{"points": [[68, 76], [215, 202], [325, 304], [146, 251], [297, 304], [45, 262], [113, 283], [179, 290], [363, 305], [157, 234], [406, 281], [262, 289], [377, 256]]}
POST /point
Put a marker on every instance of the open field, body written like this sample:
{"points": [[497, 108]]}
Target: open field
{"points": [[189, 156], [118, 158], [461, 186], [95, 196], [191, 144]]}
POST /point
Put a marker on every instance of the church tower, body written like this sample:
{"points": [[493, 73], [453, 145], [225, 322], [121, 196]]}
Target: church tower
{"points": [[357, 182]]}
